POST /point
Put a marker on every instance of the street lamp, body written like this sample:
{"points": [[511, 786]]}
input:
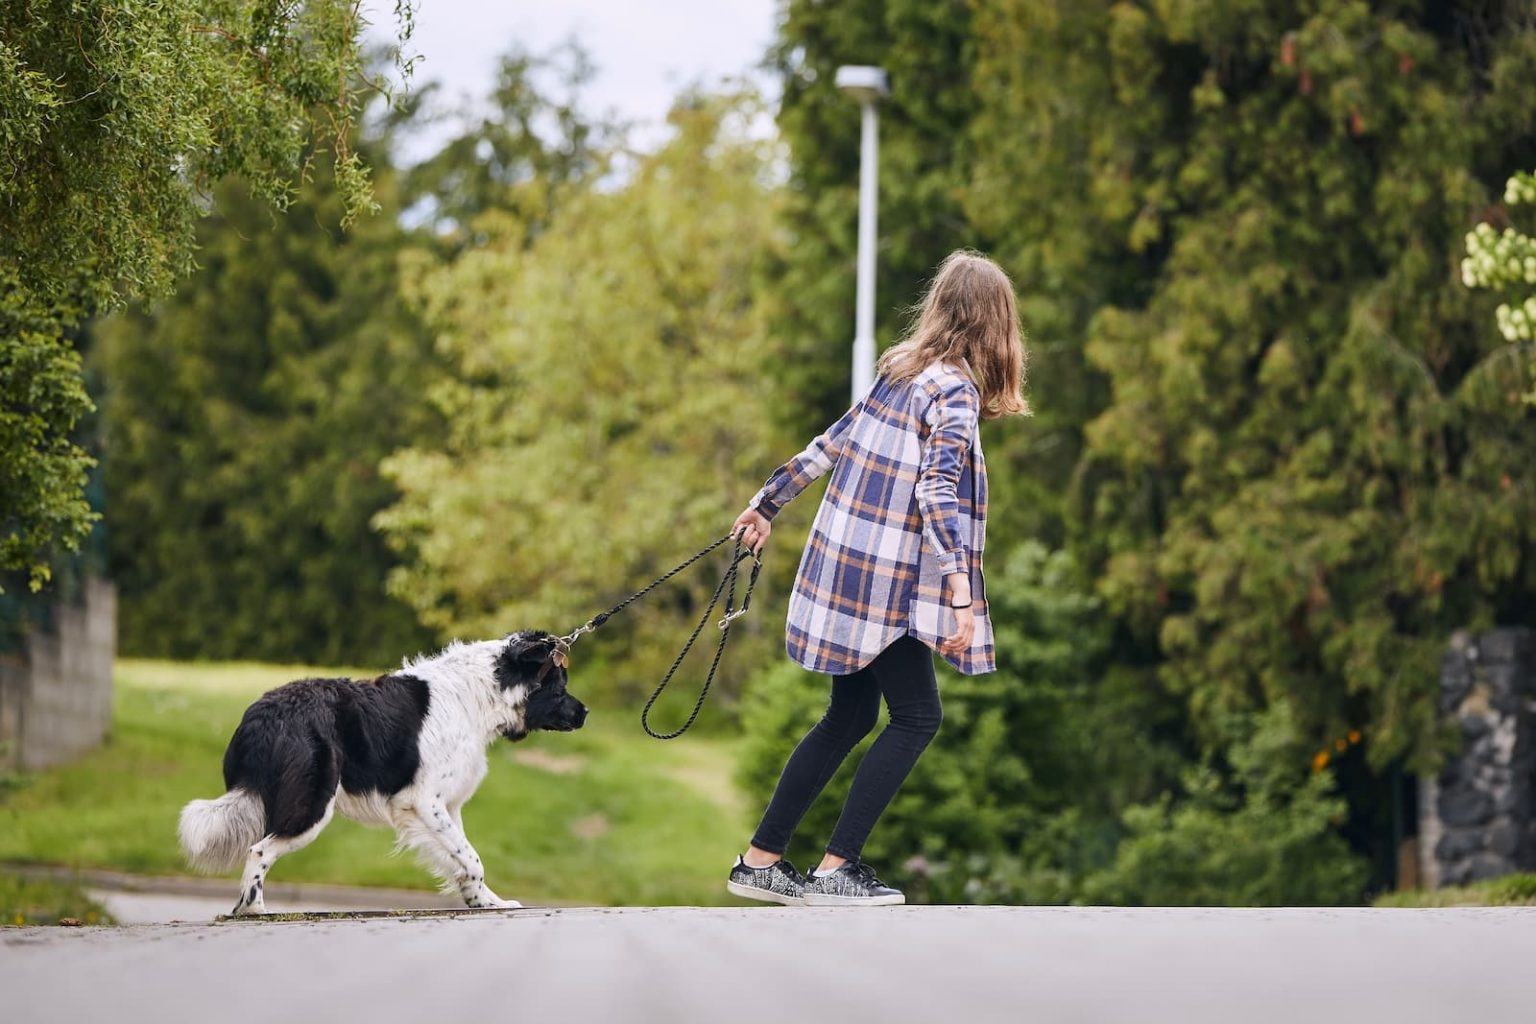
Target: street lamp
{"points": [[867, 86]]}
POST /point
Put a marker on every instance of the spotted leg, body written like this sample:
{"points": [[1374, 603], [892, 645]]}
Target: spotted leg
{"points": [[438, 833], [264, 853]]}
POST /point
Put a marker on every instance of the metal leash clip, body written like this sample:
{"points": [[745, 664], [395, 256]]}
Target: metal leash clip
{"points": [[570, 638]]}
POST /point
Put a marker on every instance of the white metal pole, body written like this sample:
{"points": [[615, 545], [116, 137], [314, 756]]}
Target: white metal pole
{"points": [[864, 316]]}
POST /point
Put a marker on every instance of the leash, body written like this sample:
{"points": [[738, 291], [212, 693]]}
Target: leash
{"points": [[727, 586]]}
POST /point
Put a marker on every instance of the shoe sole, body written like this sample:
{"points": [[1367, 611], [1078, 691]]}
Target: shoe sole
{"points": [[828, 900], [752, 892]]}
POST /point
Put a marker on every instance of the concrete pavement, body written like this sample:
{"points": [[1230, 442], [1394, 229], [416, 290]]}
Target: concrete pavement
{"points": [[882, 966]]}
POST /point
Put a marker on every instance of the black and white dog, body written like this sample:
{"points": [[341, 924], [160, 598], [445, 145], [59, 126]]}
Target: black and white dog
{"points": [[405, 750]]}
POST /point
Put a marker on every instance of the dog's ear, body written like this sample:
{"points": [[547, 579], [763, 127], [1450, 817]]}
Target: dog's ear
{"points": [[527, 658], [528, 647]]}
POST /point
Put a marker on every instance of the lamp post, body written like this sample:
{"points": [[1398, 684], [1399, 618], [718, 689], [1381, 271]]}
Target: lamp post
{"points": [[867, 85]]}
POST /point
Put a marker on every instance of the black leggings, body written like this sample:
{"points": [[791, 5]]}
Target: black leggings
{"points": [[903, 673]]}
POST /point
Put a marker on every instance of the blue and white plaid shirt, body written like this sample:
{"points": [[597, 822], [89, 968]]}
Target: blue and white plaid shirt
{"points": [[906, 506]]}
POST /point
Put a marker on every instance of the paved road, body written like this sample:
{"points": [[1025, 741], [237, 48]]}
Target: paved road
{"points": [[686, 965]]}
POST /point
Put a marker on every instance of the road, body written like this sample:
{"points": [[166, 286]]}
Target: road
{"points": [[876, 965]]}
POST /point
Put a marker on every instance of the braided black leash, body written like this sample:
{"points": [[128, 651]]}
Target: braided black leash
{"points": [[727, 585]]}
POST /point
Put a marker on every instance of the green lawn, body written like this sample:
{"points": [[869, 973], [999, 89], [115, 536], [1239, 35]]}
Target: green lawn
{"points": [[600, 816], [32, 901]]}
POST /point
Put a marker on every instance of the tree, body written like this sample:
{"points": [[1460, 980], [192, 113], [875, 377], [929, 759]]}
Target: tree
{"points": [[115, 123], [1305, 477], [245, 420], [520, 159], [604, 396]]}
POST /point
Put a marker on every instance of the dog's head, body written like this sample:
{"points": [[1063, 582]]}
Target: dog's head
{"points": [[530, 671]]}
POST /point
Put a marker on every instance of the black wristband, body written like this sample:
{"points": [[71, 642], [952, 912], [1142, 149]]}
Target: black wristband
{"points": [[961, 607]]}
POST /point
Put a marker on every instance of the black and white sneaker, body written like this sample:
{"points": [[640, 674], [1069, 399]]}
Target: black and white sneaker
{"points": [[852, 885], [777, 883]]}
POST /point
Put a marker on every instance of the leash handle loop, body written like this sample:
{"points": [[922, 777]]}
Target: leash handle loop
{"points": [[727, 585]]}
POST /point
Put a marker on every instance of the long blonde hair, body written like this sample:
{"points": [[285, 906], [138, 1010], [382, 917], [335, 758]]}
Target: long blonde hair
{"points": [[969, 314]]}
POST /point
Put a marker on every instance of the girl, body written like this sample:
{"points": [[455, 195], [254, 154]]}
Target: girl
{"points": [[892, 569]]}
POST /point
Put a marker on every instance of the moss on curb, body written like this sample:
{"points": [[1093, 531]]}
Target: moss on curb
{"points": [[1509, 891]]}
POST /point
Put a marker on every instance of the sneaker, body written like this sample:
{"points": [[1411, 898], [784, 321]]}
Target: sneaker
{"points": [[852, 885], [777, 883]]}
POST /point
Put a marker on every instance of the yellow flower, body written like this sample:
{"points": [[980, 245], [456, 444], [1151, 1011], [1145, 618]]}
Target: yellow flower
{"points": [[1320, 761]]}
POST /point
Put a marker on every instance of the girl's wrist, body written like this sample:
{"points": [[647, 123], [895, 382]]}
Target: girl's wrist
{"points": [[957, 588]]}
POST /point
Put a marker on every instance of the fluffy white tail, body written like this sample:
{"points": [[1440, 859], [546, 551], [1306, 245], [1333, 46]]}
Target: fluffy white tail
{"points": [[216, 834]]}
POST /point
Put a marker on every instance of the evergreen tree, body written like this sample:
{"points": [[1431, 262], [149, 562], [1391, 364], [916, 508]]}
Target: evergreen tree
{"points": [[1307, 475], [246, 418]]}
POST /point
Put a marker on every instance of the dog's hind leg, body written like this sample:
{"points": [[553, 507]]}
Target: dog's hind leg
{"points": [[264, 853], [438, 834]]}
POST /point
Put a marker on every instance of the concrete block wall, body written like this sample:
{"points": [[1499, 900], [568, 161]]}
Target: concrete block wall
{"points": [[56, 692]]}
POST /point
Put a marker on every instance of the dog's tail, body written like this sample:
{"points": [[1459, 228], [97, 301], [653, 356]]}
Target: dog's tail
{"points": [[216, 834]]}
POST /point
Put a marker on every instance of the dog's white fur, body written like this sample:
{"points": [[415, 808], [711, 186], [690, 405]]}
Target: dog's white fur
{"points": [[467, 711]]}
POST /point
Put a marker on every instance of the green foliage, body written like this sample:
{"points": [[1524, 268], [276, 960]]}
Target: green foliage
{"points": [[245, 419], [604, 400], [600, 816], [42, 472], [1307, 474], [1260, 834], [116, 121]]}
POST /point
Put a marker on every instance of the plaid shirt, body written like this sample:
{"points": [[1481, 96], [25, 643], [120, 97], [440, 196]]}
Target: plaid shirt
{"points": [[907, 505]]}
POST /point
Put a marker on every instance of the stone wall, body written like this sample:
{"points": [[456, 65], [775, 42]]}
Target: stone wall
{"points": [[1477, 818], [56, 688]]}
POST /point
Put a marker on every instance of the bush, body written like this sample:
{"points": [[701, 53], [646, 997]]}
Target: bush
{"points": [[1258, 834]]}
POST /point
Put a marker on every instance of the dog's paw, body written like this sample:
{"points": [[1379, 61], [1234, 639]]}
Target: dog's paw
{"points": [[490, 901], [250, 903]]}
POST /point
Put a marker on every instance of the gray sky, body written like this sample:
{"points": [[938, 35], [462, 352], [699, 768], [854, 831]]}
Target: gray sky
{"points": [[645, 52]]}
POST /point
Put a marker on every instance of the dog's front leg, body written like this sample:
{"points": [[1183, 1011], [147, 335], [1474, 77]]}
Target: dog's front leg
{"points": [[465, 869]]}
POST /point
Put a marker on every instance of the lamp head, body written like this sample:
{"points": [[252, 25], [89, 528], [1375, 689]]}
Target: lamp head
{"points": [[865, 84]]}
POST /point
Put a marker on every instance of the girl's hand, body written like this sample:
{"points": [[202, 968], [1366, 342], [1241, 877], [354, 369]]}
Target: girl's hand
{"points": [[753, 528], [959, 641]]}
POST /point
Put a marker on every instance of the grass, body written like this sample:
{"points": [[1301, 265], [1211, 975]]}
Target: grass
{"points": [[1518, 890], [600, 816], [28, 901]]}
